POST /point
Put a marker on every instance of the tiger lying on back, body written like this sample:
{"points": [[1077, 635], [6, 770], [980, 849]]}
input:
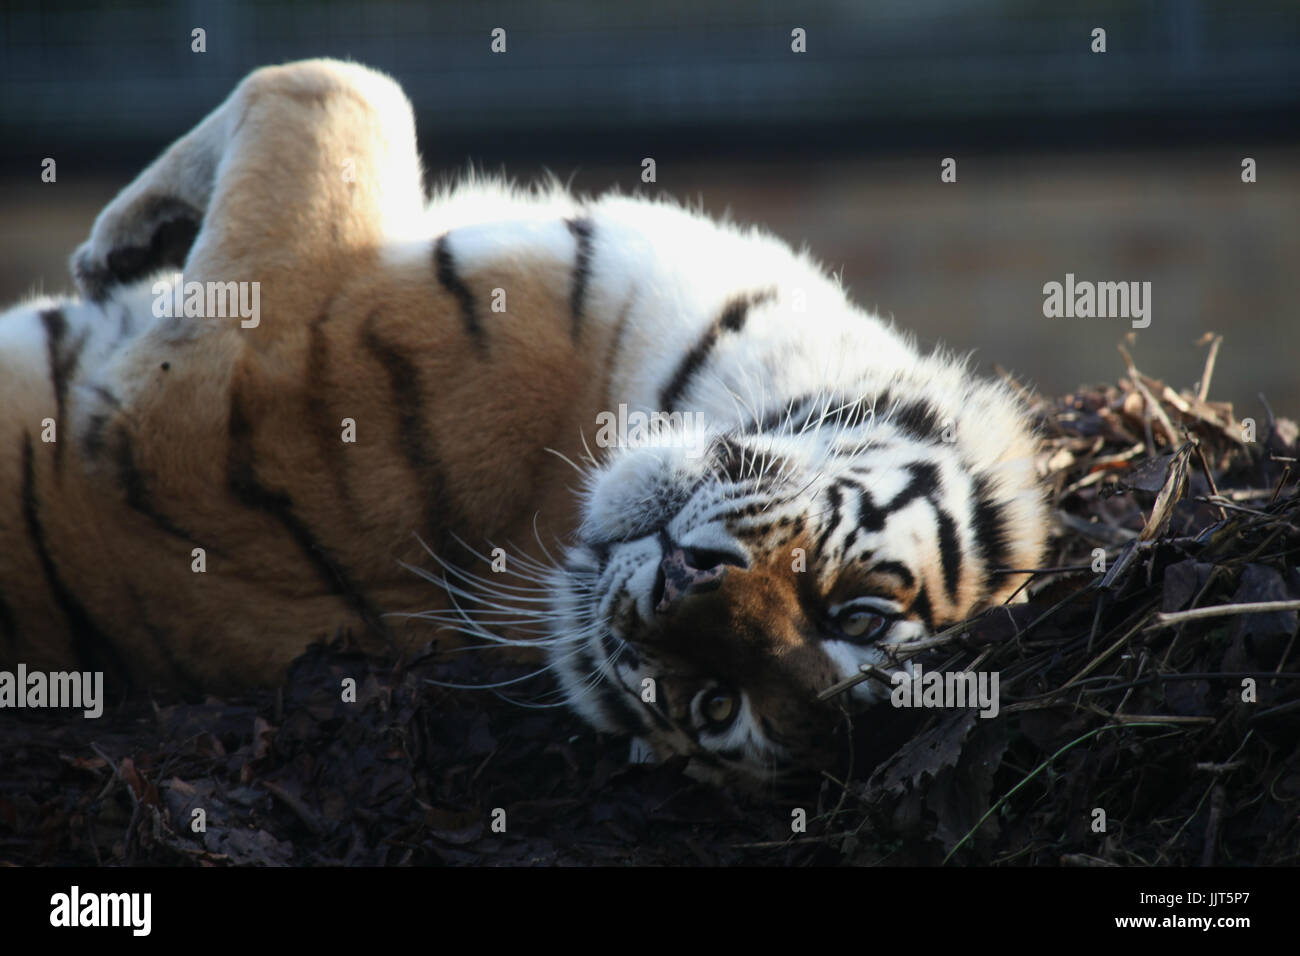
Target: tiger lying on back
{"points": [[188, 501]]}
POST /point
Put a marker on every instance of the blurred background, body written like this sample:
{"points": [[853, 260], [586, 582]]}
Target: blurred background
{"points": [[1116, 166]]}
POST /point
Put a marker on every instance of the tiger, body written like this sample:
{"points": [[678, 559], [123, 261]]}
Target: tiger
{"points": [[663, 454]]}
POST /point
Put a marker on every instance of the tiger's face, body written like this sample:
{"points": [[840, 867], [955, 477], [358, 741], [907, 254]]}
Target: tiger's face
{"points": [[713, 598]]}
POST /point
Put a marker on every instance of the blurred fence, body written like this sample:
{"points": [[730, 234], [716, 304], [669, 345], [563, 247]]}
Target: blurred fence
{"points": [[715, 74], [1122, 166]]}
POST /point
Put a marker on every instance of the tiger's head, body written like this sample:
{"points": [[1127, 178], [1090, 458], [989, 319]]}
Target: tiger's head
{"points": [[712, 597]]}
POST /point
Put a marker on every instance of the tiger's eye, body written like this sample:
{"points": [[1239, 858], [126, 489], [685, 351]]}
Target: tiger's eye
{"points": [[719, 708], [860, 624]]}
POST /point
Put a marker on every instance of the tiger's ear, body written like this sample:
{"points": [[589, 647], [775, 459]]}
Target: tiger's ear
{"points": [[144, 237]]}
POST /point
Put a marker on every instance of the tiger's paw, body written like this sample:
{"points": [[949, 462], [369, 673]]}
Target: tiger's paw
{"points": [[133, 237], [152, 224]]}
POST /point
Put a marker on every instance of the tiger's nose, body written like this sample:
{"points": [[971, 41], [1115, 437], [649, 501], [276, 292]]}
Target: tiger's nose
{"points": [[679, 575]]}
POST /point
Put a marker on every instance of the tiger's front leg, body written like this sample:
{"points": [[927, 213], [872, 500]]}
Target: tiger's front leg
{"points": [[302, 166]]}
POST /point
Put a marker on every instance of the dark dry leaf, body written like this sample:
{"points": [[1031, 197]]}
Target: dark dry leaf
{"points": [[1175, 484]]}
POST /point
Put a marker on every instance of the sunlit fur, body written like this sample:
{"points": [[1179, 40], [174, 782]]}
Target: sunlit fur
{"points": [[832, 464]]}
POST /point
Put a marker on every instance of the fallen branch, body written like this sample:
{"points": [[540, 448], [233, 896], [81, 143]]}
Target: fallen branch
{"points": [[1223, 610]]}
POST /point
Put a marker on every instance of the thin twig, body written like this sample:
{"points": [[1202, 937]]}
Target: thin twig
{"points": [[1217, 801], [865, 672], [1203, 389], [1224, 610]]}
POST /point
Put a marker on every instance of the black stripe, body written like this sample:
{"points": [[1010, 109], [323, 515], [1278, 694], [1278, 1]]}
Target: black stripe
{"points": [[833, 494], [56, 327], [922, 608], [687, 367], [835, 411], [988, 523], [730, 458], [949, 551], [917, 418], [447, 277], [92, 646], [839, 413], [734, 315], [924, 483], [870, 518], [731, 319], [582, 230], [615, 347], [760, 529], [62, 363], [136, 487], [924, 480], [852, 484], [241, 478], [417, 445], [847, 415], [857, 527]]}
